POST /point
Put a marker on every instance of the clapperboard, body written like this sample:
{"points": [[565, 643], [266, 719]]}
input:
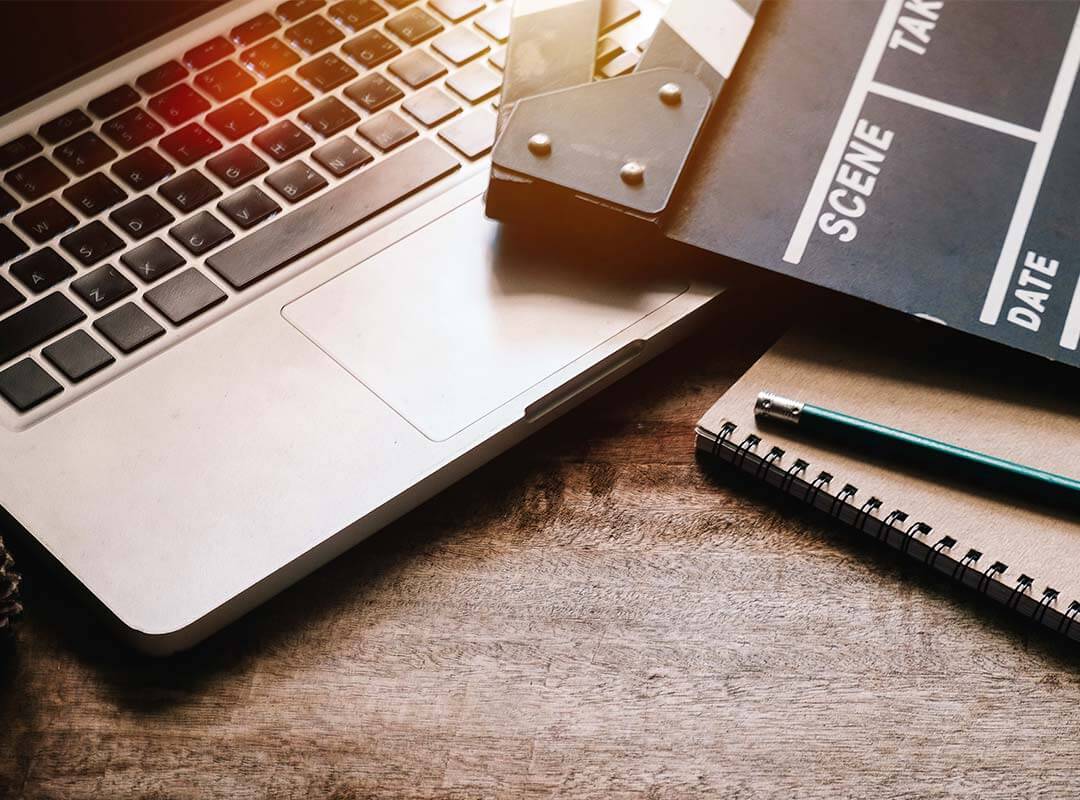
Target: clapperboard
{"points": [[921, 154]]}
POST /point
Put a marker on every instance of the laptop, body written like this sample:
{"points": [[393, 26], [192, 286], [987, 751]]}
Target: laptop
{"points": [[250, 307]]}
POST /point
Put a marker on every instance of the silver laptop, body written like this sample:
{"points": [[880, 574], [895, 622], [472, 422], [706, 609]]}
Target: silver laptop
{"points": [[251, 309]]}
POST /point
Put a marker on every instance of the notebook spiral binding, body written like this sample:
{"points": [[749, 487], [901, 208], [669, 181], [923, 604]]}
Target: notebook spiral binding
{"points": [[912, 540]]}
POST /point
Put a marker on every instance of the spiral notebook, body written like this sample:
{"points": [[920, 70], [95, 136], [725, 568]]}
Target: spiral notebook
{"points": [[918, 376]]}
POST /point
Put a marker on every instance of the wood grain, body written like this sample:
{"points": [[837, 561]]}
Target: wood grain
{"points": [[589, 616]]}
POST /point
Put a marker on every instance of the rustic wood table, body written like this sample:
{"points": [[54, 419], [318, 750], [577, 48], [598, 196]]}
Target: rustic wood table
{"points": [[589, 616]]}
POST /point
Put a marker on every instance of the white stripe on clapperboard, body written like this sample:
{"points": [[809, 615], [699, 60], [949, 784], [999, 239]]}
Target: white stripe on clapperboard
{"points": [[1043, 138]]}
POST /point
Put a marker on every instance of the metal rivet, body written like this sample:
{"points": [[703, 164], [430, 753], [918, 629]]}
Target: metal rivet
{"points": [[633, 173], [540, 144], [671, 94]]}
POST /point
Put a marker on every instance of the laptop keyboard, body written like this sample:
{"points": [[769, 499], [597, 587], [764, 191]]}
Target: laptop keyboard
{"points": [[124, 219]]}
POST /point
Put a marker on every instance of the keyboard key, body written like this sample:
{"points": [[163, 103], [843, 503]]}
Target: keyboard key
{"points": [[457, 10], [189, 144], [329, 116], [313, 34], [78, 356], [94, 194], [102, 287], [179, 104], [373, 92], [473, 135], [614, 13], [296, 181], [225, 80], [42, 270], [370, 49], [413, 26], [11, 246], [606, 50], [189, 190], [9, 296], [460, 46], [298, 9], [142, 168], [113, 102], [254, 29], [201, 233], [496, 23], [91, 243], [355, 15], [56, 130], [431, 106], [326, 72], [161, 77], [498, 59], [132, 129], [45, 220], [36, 323], [7, 203], [185, 296], [620, 65], [387, 130], [356, 200], [35, 179], [26, 385], [475, 83], [208, 52], [84, 153], [235, 120], [341, 156], [248, 207], [151, 260], [281, 96], [128, 327], [141, 217], [399, 4], [417, 68], [269, 58], [283, 141], [236, 166], [18, 150]]}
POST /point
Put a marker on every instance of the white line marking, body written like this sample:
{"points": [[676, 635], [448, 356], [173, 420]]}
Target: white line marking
{"points": [[844, 127], [1070, 334], [947, 110], [1029, 190]]}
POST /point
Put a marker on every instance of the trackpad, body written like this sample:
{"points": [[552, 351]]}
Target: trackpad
{"points": [[459, 318]]}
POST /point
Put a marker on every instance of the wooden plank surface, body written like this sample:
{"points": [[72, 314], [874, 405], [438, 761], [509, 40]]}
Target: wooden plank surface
{"points": [[589, 616]]}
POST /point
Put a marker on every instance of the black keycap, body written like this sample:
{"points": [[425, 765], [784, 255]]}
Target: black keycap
{"points": [[18, 150], [341, 156], [399, 4], [269, 57], [358, 199], [413, 26], [207, 53], [475, 82], [35, 179], [7, 203], [370, 49], [248, 207], [281, 95], [30, 326], [418, 68], [94, 194], [431, 106], [102, 287], [9, 296], [142, 168], [283, 141], [178, 104], [189, 144], [132, 129], [11, 245], [78, 356], [496, 23], [313, 34], [236, 120], [200, 233], [329, 116], [25, 385], [473, 135], [45, 220], [185, 296], [128, 327], [373, 92], [236, 165], [224, 81], [91, 243], [356, 15], [297, 9], [460, 45], [387, 130], [151, 260], [189, 190], [84, 153], [56, 130], [113, 102], [141, 217], [42, 270], [254, 29], [326, 72], [296, 181], [161, 77]]}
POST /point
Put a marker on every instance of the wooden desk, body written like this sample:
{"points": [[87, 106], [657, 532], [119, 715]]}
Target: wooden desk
{"points": [[589, 616]]}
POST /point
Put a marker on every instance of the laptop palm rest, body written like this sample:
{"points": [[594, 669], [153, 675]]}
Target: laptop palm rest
{"points": [[461, 317]]}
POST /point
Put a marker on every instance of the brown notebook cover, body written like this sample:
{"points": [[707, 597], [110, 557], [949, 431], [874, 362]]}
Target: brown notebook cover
{"points": [[920, 377]]}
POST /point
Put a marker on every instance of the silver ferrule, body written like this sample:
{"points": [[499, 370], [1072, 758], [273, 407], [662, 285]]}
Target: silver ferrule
{"points": [[775, 407]]}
